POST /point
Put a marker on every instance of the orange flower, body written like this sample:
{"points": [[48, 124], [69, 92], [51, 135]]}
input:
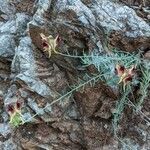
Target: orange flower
{"points": [[125, 75], [49, 43]]}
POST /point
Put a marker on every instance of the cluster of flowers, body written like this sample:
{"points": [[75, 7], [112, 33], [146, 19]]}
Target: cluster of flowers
{"points": [[49, 45]]}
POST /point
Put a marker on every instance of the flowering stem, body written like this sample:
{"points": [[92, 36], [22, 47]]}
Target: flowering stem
{"points": [[67, 94]]}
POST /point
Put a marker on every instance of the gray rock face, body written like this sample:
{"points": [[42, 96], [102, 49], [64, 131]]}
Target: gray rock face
{"points": [[8, 145], [119, 17], [23, 57], [7, 49], [27, 75], [21, 22], [9, 27], [4, 129], [6, 8], [10, 31], [123, 27], [42, 6]]}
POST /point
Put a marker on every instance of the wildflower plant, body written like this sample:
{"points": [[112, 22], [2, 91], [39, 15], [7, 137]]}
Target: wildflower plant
{"points": [[75, 88], [49, 43], [125, 75], [144, 85], [118, 66], [14, 112], [115, 69], [120, 105]]}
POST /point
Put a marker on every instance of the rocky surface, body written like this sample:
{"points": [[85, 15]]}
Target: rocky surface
{"points": [[27, 75]]}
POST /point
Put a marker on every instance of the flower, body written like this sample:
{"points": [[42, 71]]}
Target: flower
{"points": [[125, 75], [15, 114], [49, 43], [10, 108]]}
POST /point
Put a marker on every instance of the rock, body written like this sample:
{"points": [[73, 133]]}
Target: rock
{"points": [[11, 95], [4, 130], [25, 70], [30, 75], [9, 27], [7, 49], [94, 102], [118, 21], [7, 145], [23, 6], [6, 8], [21, 22], [5, 67], [15, 24], [96, 134], [54, 119], [105, 110], [42, 6], [48, 138]]}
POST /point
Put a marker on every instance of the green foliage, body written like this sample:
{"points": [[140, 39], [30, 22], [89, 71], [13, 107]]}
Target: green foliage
{"points": [[16, 120], [144, 84], [120, 107], [75, 88], [105, 64]]}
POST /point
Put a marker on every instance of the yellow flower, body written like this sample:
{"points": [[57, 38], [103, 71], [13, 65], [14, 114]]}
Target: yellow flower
{"points": [[49, 43], [125, 75], [15, 114]]}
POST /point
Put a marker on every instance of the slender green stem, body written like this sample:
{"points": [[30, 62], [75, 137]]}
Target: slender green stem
{"points": [[67, 94], [95, 56], [120, 107]]}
